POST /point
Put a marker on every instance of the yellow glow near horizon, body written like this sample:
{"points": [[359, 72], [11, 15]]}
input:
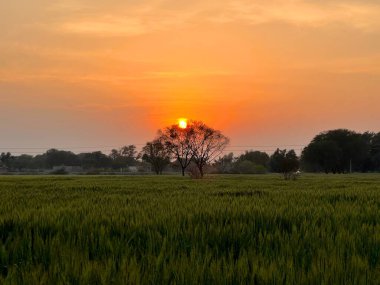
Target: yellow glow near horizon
{"points": [[182, 123]]}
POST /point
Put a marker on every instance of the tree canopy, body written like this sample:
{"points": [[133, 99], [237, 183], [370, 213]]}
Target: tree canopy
{"points": [[156, 154], [197, 143], [341, 151], [283, 161]]}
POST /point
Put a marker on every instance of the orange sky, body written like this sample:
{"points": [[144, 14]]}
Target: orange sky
{"points": [[91, 73]]}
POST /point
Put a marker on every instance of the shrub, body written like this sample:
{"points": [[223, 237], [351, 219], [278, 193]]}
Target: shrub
{"points": [[248, 167]]}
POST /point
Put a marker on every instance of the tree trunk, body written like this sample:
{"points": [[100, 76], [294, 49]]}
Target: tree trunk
{"points": [[201, 170], [183, 171], [156, 169]]}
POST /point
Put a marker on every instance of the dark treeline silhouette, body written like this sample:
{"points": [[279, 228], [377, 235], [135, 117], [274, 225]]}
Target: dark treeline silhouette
{"points": [[257, 162], [60, 160], [197, 149], [191, 148], [342, 151], [335, 151]]}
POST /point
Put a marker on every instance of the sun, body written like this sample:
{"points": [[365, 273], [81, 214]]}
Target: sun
{"points": [[182, 123]]}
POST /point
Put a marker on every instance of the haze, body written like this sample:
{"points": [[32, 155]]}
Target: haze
{"points": [[82, 74]]}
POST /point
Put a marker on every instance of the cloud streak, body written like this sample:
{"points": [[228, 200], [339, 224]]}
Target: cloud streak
{"points": [[150, 16], [360, 15]]}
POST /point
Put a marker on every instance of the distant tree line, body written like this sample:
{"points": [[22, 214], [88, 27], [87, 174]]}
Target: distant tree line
{"points": [[192, 148], [335, 151], [118, 159], [258, 162], [197, 149], [342, 151]]}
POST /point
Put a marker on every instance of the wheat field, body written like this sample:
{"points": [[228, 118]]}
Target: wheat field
{"points": [[233, 229]]}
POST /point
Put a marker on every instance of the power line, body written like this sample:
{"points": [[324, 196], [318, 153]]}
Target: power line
{"points": [[231, 148], [283, 145], [67, 147], [265, 150], [118, 146]]}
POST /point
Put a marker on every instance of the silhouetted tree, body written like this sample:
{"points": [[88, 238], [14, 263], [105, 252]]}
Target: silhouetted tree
{"points": [[196, 143], [124, 157], [129, 154], [338, 151], [6, 159], [177, 141], [56, 157], [285, 162], [206, 144], [39, 161], [322, 156], [156, 154], [114, 154], [225, 163], [23, 161], [257, 157], [95, 159]]}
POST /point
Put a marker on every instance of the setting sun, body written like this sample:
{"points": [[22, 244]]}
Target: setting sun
{"points": [[182, 123]]}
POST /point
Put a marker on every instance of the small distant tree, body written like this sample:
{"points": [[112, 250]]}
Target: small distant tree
{"points": [[114, 154], [129, 154], [225, 163], [6, 159], [95, 160], [285, 162], [23, 161], [156, 154], [124, 157], [55, 157], [257, 157]]}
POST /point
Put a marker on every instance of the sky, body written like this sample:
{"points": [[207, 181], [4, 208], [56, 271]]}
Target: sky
{"points": [[91, 74]]}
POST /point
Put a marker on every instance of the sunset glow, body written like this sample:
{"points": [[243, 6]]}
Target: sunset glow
{"points": [[190, 141], [114, 72], [182, 123]]}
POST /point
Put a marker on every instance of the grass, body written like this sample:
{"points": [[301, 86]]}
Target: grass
{"points": [[173, 230]]}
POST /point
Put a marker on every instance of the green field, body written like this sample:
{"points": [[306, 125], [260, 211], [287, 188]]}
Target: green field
{"points": [[173, 230]]}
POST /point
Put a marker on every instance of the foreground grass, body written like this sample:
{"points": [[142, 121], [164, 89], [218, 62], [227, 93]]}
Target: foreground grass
{"points": [[172, 230]]}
